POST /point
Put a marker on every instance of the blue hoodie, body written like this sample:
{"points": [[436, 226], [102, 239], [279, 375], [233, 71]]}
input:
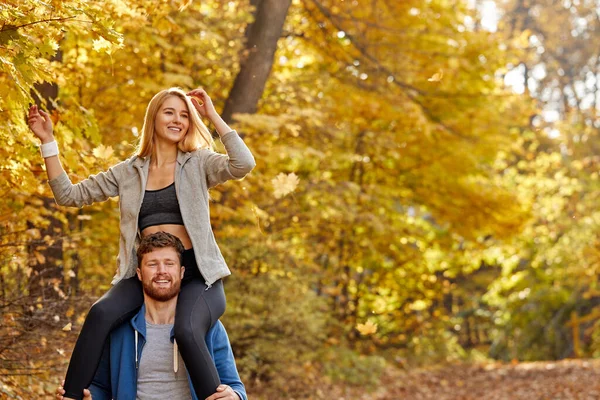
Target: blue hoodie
{"points": [[116, 376]]}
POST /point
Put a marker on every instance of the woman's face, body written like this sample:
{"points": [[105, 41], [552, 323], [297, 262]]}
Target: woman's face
{"points": [[172, 120]]}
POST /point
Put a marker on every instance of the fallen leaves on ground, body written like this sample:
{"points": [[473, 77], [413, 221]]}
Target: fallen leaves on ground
{"points": [[560, 380]]}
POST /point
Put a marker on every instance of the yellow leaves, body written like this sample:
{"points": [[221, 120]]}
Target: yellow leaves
{"points": [[103, 152], [39, 257], [108, 47], [294, 129], [284, 184], [332, 291], [33, 233], [454, 63], [366, 329], [577, 164], [80, 318], [437, 77], [48, 48], [55, 117], [522, 41], [101, 44], [89, 160], [418, 305], [58, 290], [178, 79], [184, 4], [259, 214], [123, 9]]}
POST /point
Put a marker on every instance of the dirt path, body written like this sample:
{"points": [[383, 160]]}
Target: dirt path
{"points": [[564, 380]]}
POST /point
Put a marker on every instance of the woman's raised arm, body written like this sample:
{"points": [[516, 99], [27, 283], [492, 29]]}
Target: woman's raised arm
{"points": [[41, 125], [93, 189]]}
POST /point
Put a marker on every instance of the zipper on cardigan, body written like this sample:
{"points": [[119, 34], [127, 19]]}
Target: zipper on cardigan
{"points": [[178, 173]]}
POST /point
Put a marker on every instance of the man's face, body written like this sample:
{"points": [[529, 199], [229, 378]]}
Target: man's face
{"points": [[161, 274]]}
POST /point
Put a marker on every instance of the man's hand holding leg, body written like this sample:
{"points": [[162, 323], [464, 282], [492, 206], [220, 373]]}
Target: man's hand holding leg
{"points": [[224, 392], [60, 391]]}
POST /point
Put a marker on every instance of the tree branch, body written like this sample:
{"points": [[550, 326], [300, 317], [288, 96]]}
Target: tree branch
{"points": [[410, 91], [15, 27]]}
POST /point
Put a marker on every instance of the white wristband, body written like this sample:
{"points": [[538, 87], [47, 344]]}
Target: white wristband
{"points": [[49, 149]]}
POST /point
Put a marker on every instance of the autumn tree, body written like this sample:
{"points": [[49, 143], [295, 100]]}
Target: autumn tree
{"points": [[390, 133], [384, 201], [551, 270]]}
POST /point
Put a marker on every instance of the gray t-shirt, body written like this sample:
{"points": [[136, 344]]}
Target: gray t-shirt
{"points": [[157, 379]]}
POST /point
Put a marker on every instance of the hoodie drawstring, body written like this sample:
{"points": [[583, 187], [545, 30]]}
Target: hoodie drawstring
{"points": [[175, 358], [137, 364], [175, 354]]}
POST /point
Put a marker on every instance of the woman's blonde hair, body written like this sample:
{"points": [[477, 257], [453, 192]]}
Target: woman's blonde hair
{"points": [[197, 137]]}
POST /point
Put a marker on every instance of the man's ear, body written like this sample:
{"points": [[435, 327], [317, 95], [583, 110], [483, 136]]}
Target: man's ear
{"points": [[139, 273], [182, 271]]}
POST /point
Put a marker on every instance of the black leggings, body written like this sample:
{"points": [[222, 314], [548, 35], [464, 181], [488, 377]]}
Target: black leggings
{"points": [[198, 308]]}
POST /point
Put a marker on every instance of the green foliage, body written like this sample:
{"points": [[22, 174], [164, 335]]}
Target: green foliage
{"points": [[595, 340], [347, 367], [276, 325], [551, 267]]}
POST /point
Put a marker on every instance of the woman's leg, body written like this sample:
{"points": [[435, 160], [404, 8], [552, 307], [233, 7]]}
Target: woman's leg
{"points": [[197, 310], [121, 302]]}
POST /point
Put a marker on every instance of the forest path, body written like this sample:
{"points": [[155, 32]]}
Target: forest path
{"points": [[549, 380]]}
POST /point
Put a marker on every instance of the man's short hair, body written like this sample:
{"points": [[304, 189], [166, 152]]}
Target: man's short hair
{"points": [[159, 240]]}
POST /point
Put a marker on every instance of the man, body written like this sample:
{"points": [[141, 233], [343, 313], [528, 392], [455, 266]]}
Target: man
{"points": [[140, 360]]}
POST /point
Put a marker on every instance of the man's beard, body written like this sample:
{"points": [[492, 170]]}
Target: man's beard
{"points": [[161, 294]]}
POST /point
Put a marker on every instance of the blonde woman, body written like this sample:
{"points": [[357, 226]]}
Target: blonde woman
{"points": [[163, 187]]}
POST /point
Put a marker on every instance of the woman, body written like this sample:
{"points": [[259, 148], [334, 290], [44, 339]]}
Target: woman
{"points": [[163, 187]]}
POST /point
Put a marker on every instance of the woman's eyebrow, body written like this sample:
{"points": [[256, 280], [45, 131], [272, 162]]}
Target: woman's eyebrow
{"points": [[172, 109]]}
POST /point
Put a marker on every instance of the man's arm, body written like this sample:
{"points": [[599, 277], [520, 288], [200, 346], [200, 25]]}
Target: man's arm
{"points": [[225, 363]]}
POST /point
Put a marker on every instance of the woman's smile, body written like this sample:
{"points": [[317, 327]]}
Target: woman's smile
{"points": [[172, 120]]}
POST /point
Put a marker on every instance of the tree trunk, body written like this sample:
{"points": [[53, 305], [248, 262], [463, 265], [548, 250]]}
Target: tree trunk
{"points": [[261, 44]]}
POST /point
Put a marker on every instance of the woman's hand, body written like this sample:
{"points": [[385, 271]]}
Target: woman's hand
{"points": [[203, 103], [207, 110], [40, 124]]}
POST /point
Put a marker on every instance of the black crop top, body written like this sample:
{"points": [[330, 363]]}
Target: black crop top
{"points": [[160, 207]]}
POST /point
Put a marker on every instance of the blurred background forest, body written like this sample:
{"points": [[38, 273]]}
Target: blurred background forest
{"points": [[426, 191]]}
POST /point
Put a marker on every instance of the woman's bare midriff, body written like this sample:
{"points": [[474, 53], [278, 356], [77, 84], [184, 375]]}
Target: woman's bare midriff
{"points": [[177, 230]]}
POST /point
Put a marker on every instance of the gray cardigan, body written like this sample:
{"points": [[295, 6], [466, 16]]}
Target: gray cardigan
{"points": [[195, 173]]}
